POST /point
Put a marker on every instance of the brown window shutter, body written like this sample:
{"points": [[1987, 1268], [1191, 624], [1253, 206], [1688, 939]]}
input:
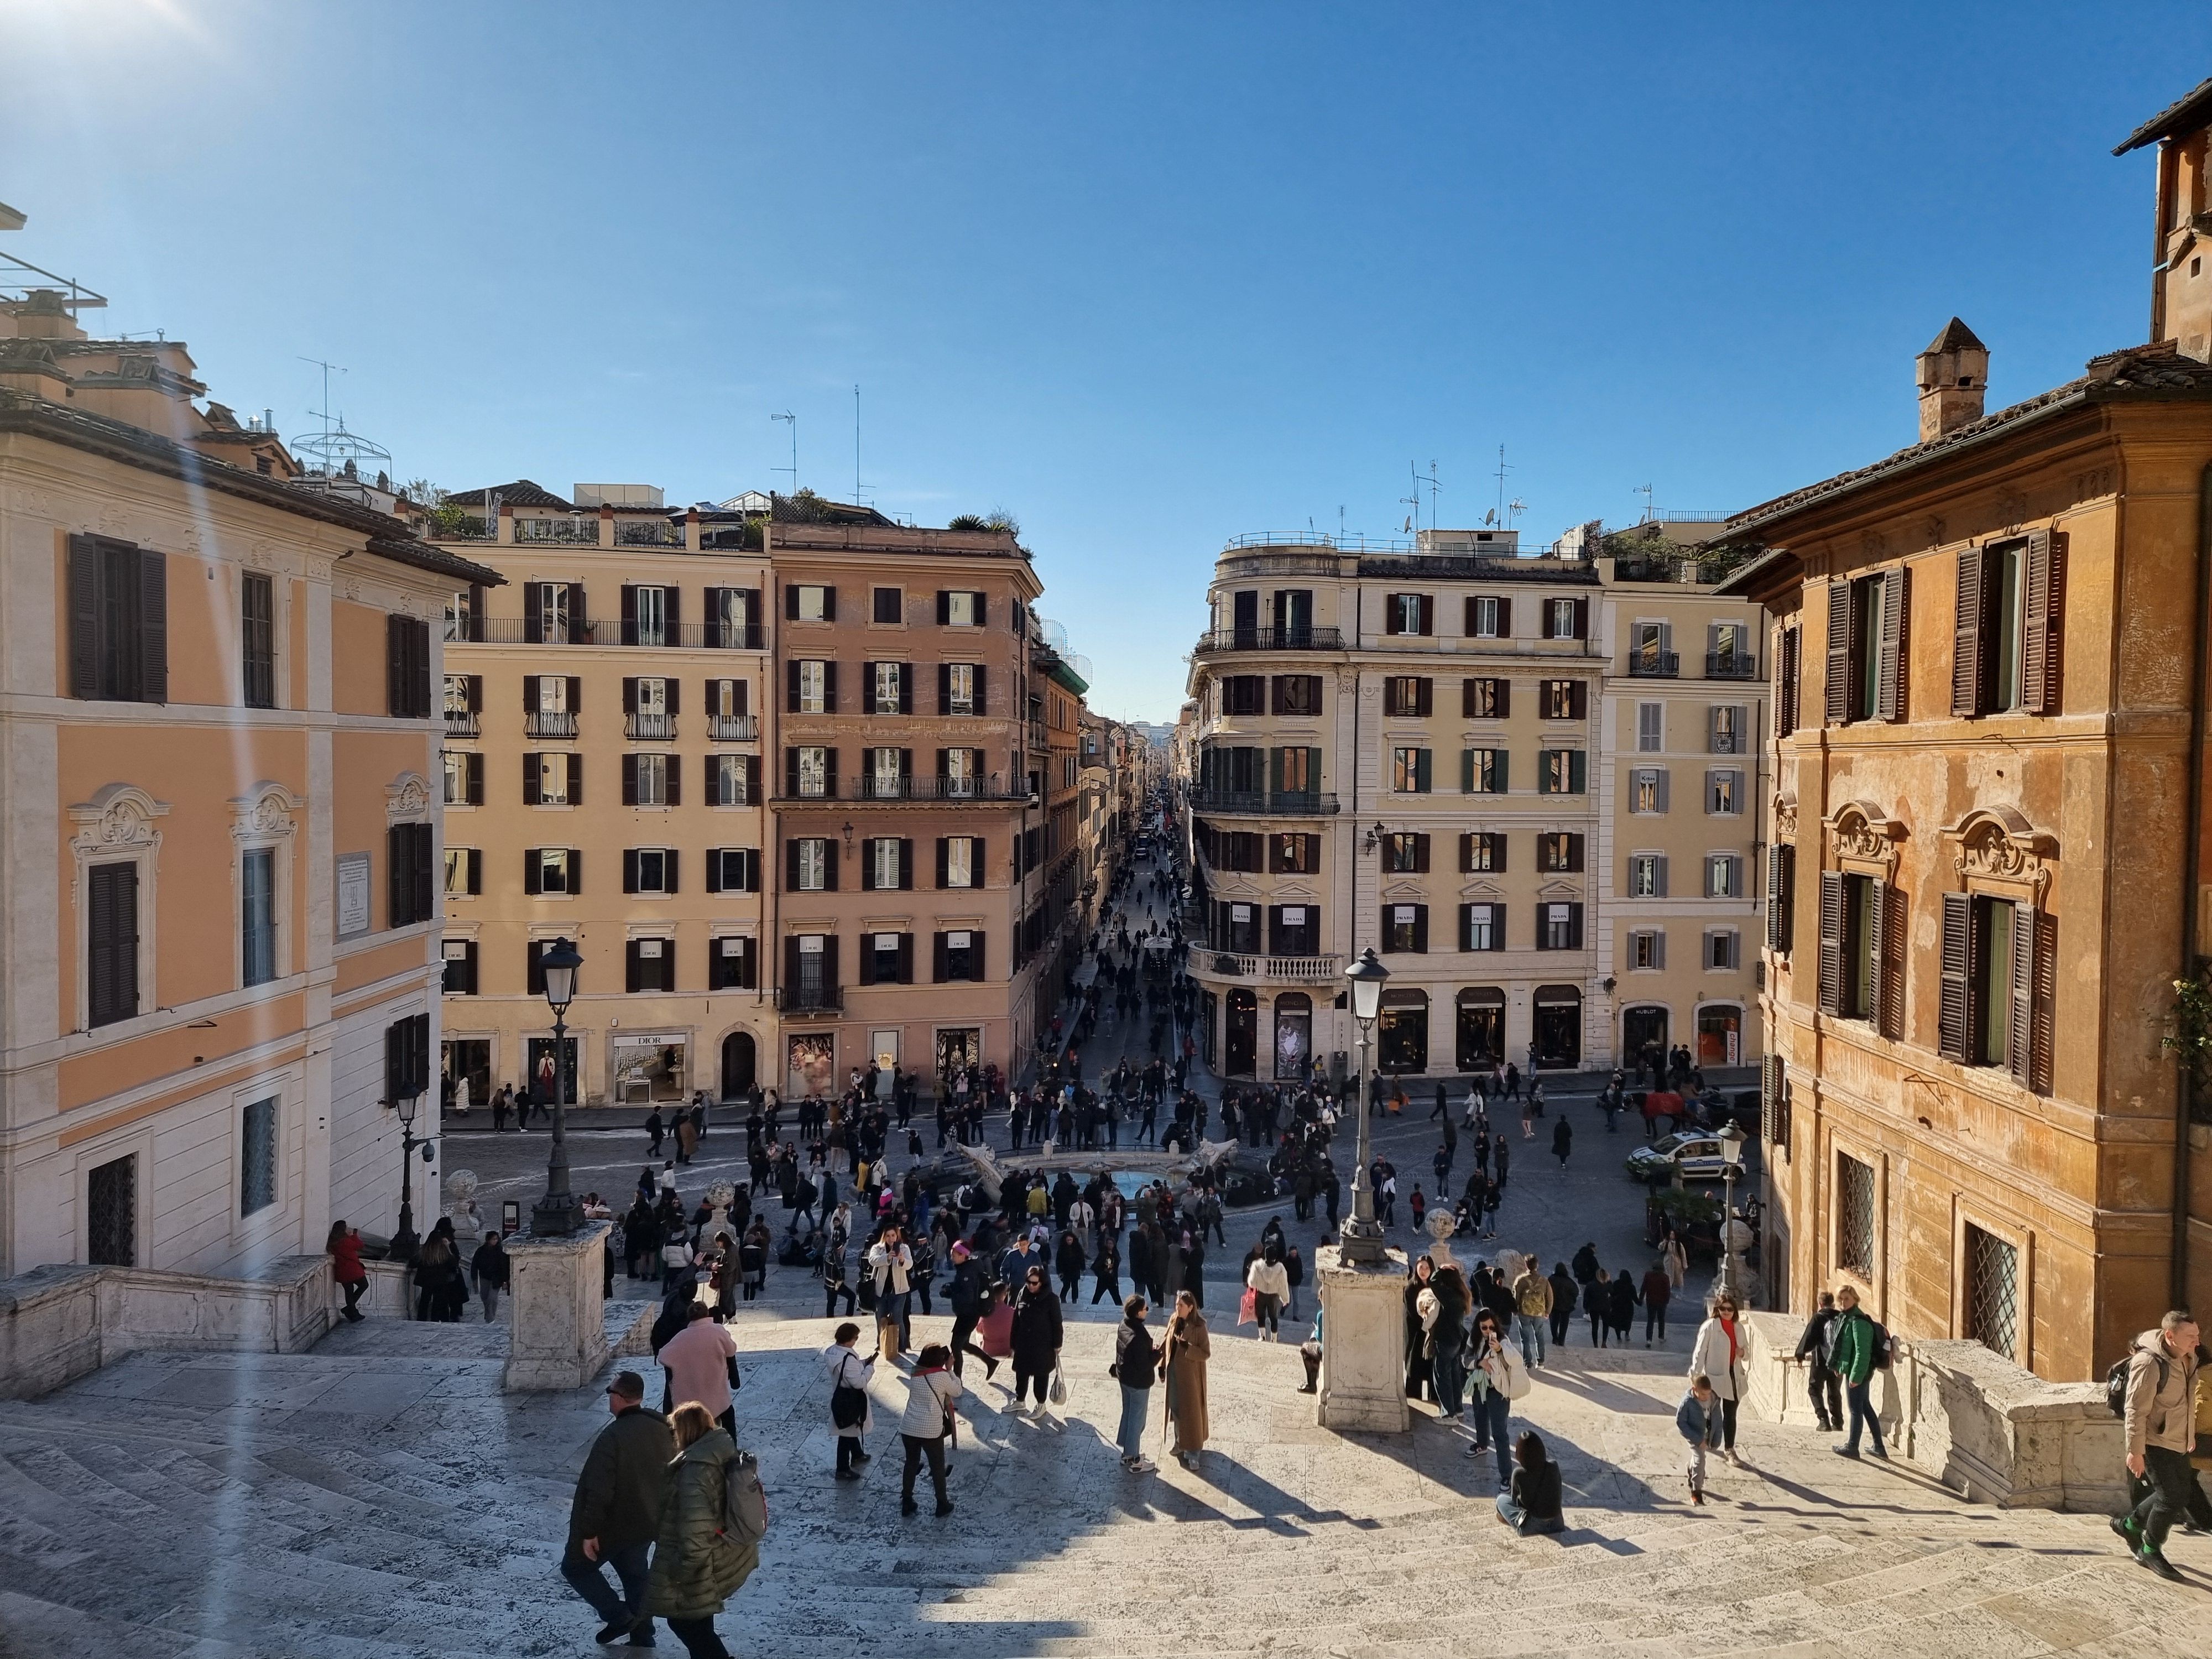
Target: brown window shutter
{"points": [[425, 869], [1574, 854], [1425, 701], [533, 615], [2044, 624], [1420, 926], [395, 665], [1778, 905], [1836, 694], [1786, 682], [829, 688], [630, 780], [1505, 618], [906, 865], [1390, 613], [575, 764], [1466, 854], [1582, 619], [476, 694], [1579, 700], [829, 979], [676, 780], [84, 583], [1885, 952], [580, 627], [1420, 855], [1968, 676], [1428, 613], [529, 780], [675, 693], [2043, 1021], [154, 631], [629, 957], [1890, 700], [906, 958], [629, 694], [2019, 997], [832, 856], [867, 976], [791, 601], [476, 780], [1832, 942], [1954, 1013]]}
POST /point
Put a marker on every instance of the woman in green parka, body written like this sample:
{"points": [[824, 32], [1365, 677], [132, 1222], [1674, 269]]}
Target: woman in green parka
{"points": [[695, 1564]]}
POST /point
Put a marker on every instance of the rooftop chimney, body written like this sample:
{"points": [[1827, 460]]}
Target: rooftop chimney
{"points": [[1953, 373]]}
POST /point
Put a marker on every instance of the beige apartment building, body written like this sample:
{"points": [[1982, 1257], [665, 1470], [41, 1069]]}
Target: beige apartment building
{"points": [[219, 920], [602, 780], [1397, 747]]}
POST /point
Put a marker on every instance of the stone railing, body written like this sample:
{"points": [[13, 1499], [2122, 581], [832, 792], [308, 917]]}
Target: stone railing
{"points": [[58, 1323], [1982, 1425]]}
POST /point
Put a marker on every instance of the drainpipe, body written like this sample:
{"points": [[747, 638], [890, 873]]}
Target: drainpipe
{"points": [[2192, 945]]}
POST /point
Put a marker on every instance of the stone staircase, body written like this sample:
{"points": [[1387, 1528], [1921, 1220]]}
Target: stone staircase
{"points": [[380, 1498]]}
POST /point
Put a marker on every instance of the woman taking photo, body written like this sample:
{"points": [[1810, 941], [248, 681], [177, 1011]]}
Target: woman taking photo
{"points": [[1136, 1361], [1496, 1377], [696, 1564], [1718, 1353], [1189, 1347]]}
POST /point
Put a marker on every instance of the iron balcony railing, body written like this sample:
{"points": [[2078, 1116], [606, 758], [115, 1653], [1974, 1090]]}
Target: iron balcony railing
{"points": [[649, 728], [567, 533], [1286, 971], [1300, 803], [462, 530], [1352, 541], [732, 728], [549, 723], [870, 787], [1272, 639], [685, 636], [1654, 664], [461, 723], [648, 532], [809, 998], [1731, 665]]}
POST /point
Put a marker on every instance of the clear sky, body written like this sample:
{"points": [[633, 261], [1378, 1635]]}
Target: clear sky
{"points": [[1146, 276]]}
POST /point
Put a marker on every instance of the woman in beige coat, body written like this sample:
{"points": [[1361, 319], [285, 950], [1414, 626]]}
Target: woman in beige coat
{"points": [[1189, 1347]]}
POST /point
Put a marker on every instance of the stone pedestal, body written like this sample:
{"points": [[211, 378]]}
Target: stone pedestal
{"points": [[557, 1292], [1362, 1363]]}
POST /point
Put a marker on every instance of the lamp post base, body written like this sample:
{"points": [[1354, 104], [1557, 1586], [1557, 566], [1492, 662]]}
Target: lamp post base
{"points": [[1362, 1363], [555, 1216], [1362, 1245]]}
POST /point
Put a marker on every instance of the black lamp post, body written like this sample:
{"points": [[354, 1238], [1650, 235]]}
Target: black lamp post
{"points": [[1732, 1140], [554, 1215], [404, 1242], [1362, 1242]]}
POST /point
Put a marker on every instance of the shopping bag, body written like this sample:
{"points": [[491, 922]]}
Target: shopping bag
{"points": [[1248, 1307]]}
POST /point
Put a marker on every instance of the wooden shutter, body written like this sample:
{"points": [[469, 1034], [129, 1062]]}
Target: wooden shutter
{"points": [[790, 774], [937, 958], [629, 869], [1883, 913], [575, 874], [1391, 613], [629, 693], [1467, 778], [632, 970], [399, 880], [791, 687], [576, 768], [976, 675], [1836, 693], [1890, 703], [831, 859], [2044, 624], [1421, 759], [751, 763], [423, 870], [829, 979], [532, 881], [674, 690], [714, 856], [1659, 877], [830, 615], [672, 615], [533, 614], [791, 865], [629, 625], [829, 688], [576, 694], [154, 630], [1969, 676], [1955, 1012], [1424, 696], [1776, 903], [2019, 997], [906, 958], [112, 936], [675, 796], [395, 665], [1786, 682], [1420, 928], [630, 780], [579, 626], [1832, 942], [791, 601], [84, 612], [2043, 991], [1574, 854], [906, 864], [1420, 855]]}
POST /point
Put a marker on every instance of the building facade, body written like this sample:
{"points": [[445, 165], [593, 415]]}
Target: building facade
{"points": [[220, 739]]}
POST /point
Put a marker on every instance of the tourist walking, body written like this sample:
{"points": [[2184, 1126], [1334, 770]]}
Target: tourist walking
{"points": [[1531, 1504], [1855, 1346], [701, 1361], [1036, 1339], [1563, 1140], [2161, 1433], [971, 1297], [1189, 1347], [1136, 1363], [488, 1273], [441, 1288], [1564, 1296], [1699, 1419], [1269, 1281], [1597, 1301], [1658, 1292], [346, 1269], [1417, 1384], [1106, 1267], [849, 1413], [698, 1562], [891, 1263], [929, 1427], [1718, 1355], [1814, 1349], [1532, 1307], [1495, 1380], [615, 1511]]}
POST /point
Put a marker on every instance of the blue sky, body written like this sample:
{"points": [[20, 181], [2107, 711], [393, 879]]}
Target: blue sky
{"points": [[1144, 276]]}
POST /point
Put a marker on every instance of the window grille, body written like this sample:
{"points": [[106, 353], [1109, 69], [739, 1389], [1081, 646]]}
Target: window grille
{"points": [[1854, 1215], [1992, 1291]]}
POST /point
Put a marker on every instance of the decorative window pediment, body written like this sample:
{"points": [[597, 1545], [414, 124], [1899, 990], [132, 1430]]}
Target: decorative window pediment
{"points": [[407, 799], [1861, 836], [1997, 846], [119, 819], [264, 813]]}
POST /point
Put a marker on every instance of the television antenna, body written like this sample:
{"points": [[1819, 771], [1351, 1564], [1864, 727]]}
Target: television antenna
{"points": [[856, 443], [1644, 490], [328, 369], [794, 468], [1500, 516]]}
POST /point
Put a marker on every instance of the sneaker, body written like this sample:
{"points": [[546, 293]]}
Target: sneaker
{"points": [[908, 1506], [1699, 1498], [848, 1474], [1851, 1452], [1881, 1453], [1729, 1454], [2158, 1564], [945, 1506], [863, 1457], [610, 1634], [1144, 1465], [1475, 1451]]}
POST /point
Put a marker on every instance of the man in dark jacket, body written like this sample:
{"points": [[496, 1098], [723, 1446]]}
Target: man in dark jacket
{"points": [[617, 1512], [1564, 1296], [488, 1267], [1826, 1388]]}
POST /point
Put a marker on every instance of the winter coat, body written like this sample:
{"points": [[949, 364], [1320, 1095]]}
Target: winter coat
{"points": [[1187, 1353], [624, 1483], [695, 1564], [346, 1256], [1850, 1346], [1036, 1330], [1563, 1293], [967, 1291], [1268, 1278], [2161, 1417], [1136, 1356], [1699, 1421], [1585, 1265], [1709, 1357], [1819, 1334]]}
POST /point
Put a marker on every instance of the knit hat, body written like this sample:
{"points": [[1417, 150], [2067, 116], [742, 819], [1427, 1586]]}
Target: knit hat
{"points": [[960, 1250]]}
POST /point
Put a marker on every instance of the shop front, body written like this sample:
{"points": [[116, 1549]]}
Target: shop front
{"points": [[1558, 1044], [1401, 1033]]}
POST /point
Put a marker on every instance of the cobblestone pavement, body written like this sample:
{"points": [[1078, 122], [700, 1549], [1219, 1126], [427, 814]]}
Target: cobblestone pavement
{"points": [[378, 1498]]}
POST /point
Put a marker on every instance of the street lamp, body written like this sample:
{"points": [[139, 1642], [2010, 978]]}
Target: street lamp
{"points": [[404, 1242], [554, 1215], [1732, 1143], [1362, 1240]]}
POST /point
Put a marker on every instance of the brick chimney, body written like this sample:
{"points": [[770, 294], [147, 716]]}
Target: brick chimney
{"points": [[1953, 373]]}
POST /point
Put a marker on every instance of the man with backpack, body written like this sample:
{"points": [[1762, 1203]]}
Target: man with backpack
{"points": [[1857, 1348], [1815, 1348], [2158, 1404]]}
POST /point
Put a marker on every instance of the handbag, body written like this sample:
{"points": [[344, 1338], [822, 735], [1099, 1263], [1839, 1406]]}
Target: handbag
{"points": [[1058, 1392], [1248, 1307], [848, 1405]]}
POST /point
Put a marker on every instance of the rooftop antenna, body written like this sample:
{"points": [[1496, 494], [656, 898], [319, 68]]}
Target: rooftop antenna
{"points": [[1339, 524], [794, 468], [325, 412], [1502, 470], [1644, 490], [856, 443], [1513, 509], [1430, 480]]}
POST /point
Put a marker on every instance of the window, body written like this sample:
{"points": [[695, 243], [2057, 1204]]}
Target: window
{"points": [[1567, 619], [1647, 875], [810, 602], [2006, 643], [1866, 657], [1294, 772], [650, 870], [111, 1211], [1482, 927], [886, 959], [118, 603], [1244, 694], [1724, 875], [551, 872], [1999, 967], [649, 615], [730, 966], [964, 771], [1729, 654], [1724, 793], [1651, 728], [959, 861], [552, 780], [1727, 729], [1482, 771], [1485, 699], [1404, 852], [1237, 928], [1409, 771], [1563, 700], [460, 969], [886, 773], [810, 971], [411, 895], [407, 668], [1992, 1274], [1489, 618], [1293, 854], [811, 683], [813, 865], [732, 870], [733, 619], [960, 687], [464, 872], [728, 701], [959, 956], [811, 772], [887, 864], [257, 894], [649, 707], [464, 615], [1404, 693], [960, 609], [553, 613], [1774, 1102], [733, 780], [888, 689], [887, 605], [112, 942], [1558, 852], [649, 965], [1722, 949], [1862, 955], [1404, 927], [1562, 772], [1482, 852], [1293, 930], [652, 781], [1298, 693], [1559, 928], [1781, 894], [1650, 650], [549, 704], [1647, 948], [257, 639], [1854, 1216], [1238, 850], [1409, 613], [406, 1059], [1786, 679], [1647, 789], [256, 1158]]}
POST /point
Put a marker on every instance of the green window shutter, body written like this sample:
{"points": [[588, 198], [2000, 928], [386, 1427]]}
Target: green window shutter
{"points": [[1580, 768], [1421, 771], [1467, 771]]}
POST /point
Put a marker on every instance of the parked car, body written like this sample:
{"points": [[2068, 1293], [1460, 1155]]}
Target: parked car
{"points": [[1695, 1155]]}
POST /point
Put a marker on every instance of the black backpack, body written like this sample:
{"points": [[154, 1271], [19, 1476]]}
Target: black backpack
{"points": [[2116, 1381]]}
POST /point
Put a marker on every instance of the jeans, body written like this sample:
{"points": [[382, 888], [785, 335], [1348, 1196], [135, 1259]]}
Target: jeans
{"points": [[352, 1297], [1491, 1414], [588, 1579], [1863, 1415], [699, 1638], [1655, 1317], [1560, 1322], [1531, 1326], [1449, 1376], [1697, 1468], [916, 1450], [1727, 1426], [2172, 1480], [1519, 1519], [1826, 1390], [489, 1296], [1130, 1434]]}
